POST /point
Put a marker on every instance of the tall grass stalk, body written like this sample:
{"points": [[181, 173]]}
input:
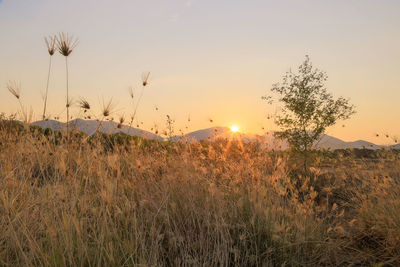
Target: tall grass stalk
{"points": [[68, 102], [65, 45], [145, 80], [50, 43], [107, 110]]}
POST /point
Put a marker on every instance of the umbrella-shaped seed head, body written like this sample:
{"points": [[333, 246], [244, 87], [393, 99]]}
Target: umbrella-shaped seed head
{"points": [[66, 43], [51, 44]]}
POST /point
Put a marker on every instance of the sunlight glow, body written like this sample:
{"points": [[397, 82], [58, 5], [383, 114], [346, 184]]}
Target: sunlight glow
{"points": [[234, 128]]}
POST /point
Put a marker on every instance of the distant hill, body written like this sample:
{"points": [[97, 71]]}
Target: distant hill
{"points": [[52, 124], [90, 127], [207, 134], [214, 133], [327, 142], [397, 146], [330, 142]]}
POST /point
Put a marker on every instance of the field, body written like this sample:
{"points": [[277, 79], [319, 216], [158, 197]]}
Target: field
{"points": [[114, 200]]}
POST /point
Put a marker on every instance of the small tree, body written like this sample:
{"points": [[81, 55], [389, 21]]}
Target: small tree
{"points": [[308, 109]]}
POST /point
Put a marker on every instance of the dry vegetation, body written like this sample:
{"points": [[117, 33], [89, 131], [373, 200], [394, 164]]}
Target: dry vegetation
{"points": [[119, 201]]}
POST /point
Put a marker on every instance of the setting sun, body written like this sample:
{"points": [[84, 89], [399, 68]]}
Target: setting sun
{"points": [[235, 128]]}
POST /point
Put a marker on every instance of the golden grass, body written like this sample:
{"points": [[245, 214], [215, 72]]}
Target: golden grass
{"points": [[155, 204]]}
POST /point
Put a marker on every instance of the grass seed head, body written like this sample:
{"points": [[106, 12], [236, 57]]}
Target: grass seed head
{"points": [[14, 88], [145, 78], [107, 108], [84, 104], [121, 122], [69, 102], [66, 43], [51, 44], [131, 92]]}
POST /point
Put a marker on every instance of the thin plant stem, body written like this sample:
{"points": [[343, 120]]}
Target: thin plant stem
{"points": [[137, 105], [134, 112], [47, 89], [20, 104], [130, 124], [98, 126], [66, 70]]}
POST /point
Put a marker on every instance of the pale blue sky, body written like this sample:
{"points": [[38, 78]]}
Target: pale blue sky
{"points": [[209, 59]]}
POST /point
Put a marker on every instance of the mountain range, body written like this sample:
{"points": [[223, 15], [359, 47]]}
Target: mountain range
{"points": [[91, 126], [326, 141]]}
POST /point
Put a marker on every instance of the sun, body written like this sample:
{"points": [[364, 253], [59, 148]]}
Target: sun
{"points": [[234, 128]]}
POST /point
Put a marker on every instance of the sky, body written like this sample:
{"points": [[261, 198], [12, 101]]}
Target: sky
{"points": [[208, 59]]}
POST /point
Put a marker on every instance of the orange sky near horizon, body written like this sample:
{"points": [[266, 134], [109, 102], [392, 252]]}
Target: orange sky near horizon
{"points": [[207, 60]]}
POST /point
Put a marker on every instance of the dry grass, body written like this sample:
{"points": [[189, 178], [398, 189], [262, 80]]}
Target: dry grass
{"points": [[149, 203]]}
